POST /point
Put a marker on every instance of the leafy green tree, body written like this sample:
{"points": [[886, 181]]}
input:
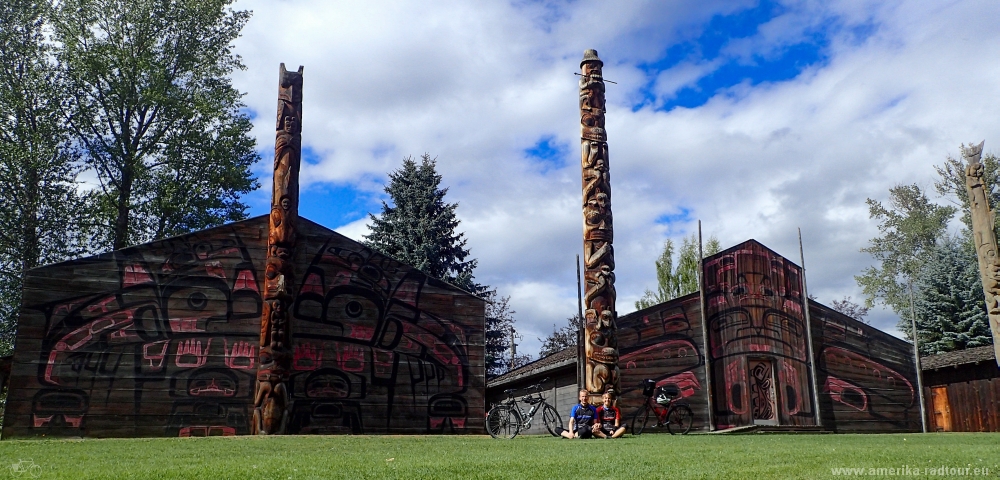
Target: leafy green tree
{"points": [[39, 205], [951, 184], [419, 227], [910, 229], [155, 114], [562, 338], [850, 308], [675, 282], [951, 313]]}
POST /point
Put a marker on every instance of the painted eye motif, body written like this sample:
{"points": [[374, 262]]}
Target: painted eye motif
{"points": [[353, 309], [197, 301]]}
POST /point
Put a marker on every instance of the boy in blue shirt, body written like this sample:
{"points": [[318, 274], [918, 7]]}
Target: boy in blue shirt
{"points": [[581, 419]]}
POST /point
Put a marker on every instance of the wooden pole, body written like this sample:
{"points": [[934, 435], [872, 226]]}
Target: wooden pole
{"points": [[704, 333], [513, 349], [809, 337], [983, 219], [272, 403], [581, 359], [600, 316], [916, 359]]}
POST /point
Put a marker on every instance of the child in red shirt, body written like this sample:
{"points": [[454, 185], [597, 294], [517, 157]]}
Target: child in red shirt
{"points": [[609, 419]]}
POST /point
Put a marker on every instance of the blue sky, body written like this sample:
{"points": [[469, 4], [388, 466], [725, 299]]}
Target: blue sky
{"points": [[757, 118]]}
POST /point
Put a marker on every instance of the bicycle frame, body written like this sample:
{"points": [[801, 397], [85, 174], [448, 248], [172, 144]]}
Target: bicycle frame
{"points": [[526, 417], [659, 409], [501, 416]]}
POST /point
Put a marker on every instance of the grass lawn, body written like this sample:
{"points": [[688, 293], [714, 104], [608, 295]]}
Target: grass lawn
{"points": [[646, 456]]}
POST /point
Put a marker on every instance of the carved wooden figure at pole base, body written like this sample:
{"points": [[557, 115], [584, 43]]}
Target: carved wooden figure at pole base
{"points": [[272, 402], [985, 238], [600, 342]]}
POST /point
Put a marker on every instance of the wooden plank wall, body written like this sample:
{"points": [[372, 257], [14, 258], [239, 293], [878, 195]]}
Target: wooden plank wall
{"points": [[973, 392], [154, 340], [560, 391], [382, 348], [5, 364], [867, 377], [664, 343], [753, 300], [161, 340]]}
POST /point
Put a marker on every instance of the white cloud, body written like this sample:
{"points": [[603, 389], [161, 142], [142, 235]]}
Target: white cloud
{"points": [[477, 83]]}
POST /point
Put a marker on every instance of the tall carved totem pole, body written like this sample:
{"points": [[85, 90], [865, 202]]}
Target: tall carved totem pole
{"points": [[985, 238], [600, 338], [272, 402]]}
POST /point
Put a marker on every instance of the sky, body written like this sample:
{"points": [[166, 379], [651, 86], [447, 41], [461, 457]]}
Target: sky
{"points": [[757, 118]]}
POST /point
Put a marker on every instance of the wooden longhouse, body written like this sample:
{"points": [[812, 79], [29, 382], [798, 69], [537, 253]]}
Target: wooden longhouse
{"points": [[161, 339], [755, 360]]}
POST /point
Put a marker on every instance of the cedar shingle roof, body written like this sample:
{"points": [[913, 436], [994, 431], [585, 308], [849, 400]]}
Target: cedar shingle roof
{"points": [[561, 358], [958, 357]]}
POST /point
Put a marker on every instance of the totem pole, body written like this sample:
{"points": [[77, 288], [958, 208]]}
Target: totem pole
{"points": [[600, 336], [985, 238], [272, 402]]}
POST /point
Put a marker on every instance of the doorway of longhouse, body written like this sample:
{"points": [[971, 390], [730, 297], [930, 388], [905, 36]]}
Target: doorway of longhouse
{"points": [[763, 394]]}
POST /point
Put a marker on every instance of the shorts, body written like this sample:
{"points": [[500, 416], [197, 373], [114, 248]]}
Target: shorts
{"points": [[585, 431], [608, 430]]}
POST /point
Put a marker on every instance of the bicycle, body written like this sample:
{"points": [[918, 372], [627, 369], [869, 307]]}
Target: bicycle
{"points": [[675, 416], [506, 419], [26, 466]]}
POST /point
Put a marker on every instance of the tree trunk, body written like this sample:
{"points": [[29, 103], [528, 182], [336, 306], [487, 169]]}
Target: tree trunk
{"points": [[123, 208], [30, 248]]}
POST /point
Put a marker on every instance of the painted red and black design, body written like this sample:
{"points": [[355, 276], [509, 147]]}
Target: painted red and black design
{"points": [[162, 339], [757, 338]]}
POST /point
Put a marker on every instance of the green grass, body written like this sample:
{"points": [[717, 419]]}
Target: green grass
{"points": [[646, 456]]}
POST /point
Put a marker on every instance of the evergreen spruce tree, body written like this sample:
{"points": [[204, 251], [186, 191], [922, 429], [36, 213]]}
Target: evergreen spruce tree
{"points": [[499, 323], [951, 313], [419, 227]]}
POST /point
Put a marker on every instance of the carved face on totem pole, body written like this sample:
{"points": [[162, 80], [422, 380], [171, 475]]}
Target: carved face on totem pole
{"points": [[271, 399]]}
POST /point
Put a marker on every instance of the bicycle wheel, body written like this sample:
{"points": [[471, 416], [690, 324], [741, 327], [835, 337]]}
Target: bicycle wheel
{"points": [[553, 423], [503, 422], [640, 419], [679, 419]]}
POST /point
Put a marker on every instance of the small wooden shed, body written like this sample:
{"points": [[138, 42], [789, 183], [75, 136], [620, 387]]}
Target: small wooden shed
{"points": [[962, 390]]}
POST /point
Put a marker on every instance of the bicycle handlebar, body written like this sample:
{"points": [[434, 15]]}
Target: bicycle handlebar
{"points": [[538, 386]]}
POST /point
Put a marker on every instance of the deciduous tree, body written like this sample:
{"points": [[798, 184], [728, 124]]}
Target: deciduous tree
{"points": [[155, 114], [39, 205], [951, 184], [675, 282], [850, 308], [563, 337], [910, 228]]}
